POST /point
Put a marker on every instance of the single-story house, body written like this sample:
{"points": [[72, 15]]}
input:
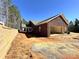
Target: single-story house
{"points": [[26, 26], [55, 24]]}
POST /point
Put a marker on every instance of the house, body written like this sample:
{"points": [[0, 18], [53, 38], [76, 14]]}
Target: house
{"points": [[30, 25], [55, 24], [23, 26], [26, 26]]}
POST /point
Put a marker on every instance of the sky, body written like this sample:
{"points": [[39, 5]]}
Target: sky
{"points": [[38, 10]]}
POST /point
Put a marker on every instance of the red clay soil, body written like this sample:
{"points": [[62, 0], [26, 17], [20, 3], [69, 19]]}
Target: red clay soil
{"points": [[22, 48]]}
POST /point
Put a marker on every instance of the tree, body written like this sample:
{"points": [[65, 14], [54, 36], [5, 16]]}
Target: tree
{"points": [[71, 26], [14, 17], [9, 1], [76, 22], [76, 25]]}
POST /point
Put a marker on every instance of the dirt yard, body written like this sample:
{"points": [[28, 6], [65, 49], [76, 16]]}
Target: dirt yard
{"points": [[57, 46], [7, 36]]}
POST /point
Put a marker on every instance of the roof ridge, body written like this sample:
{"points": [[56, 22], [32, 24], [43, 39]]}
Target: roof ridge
{"points": [[49, 18]]}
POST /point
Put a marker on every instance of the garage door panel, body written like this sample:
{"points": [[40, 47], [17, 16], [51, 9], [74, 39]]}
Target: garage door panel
{"points": [[57, 29]]}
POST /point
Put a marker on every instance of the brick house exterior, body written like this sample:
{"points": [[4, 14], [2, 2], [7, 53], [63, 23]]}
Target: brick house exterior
{"points": [[56, 24]]}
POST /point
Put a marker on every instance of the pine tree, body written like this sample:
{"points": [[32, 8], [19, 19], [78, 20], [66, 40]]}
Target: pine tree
{"points": [[76, 25], [71, 26]]}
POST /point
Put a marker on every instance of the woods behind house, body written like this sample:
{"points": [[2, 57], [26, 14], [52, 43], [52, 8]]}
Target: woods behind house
{"points": [[74, 26]]}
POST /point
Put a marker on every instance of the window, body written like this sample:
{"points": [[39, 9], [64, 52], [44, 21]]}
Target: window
{"points": [[39, 28]]}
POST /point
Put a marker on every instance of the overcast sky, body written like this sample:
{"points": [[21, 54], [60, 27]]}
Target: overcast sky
{"points": [[38, 10]]}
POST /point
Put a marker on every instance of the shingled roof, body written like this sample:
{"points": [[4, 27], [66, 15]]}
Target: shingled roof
{"points": [[52, 18]]}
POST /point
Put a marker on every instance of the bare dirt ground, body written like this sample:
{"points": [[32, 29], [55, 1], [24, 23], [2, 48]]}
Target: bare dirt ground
{"points": [[57, 46], [7, 36]]}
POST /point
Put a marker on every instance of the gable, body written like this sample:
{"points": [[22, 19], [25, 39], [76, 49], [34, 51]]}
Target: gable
{"points": [[58, 22]]}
